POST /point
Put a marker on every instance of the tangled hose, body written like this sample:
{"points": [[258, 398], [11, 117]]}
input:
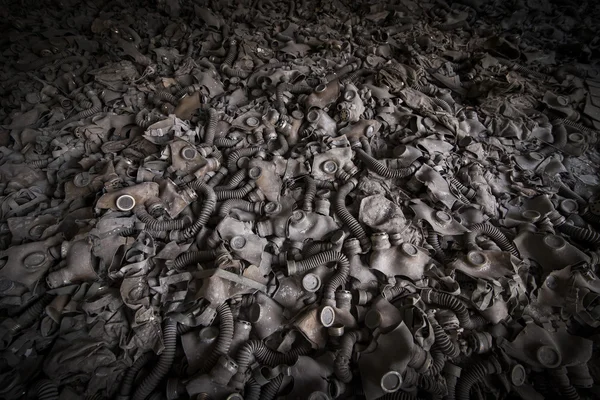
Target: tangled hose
{"points": [[28, 317], [235, 193], [235, 155], [163, 365], [438, 360], [208, 207], [316, 247], [253, 390], [443, 342], [348, 219], [217, 177], [140, 120], [225, 142], [497, 236], [46, 390], [581, 234], [448, 301], [309, 193], [341, 366], [154, 225], [225, 337], [166, 96], [257, 350], [398, 395], [228, 205], [129, 378], [380, 169], [433, 238], [338, 279], [561, 380], [473, 375], [271, 389], [431, 385], [95, 109], [234, 181], [192, 257], [211, 128]]}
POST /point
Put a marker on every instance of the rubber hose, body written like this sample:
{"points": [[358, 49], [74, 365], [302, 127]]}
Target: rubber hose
{"points": [[208, 207], [225, 337], [230, 204], [314, 248], [235, 72], [438, 360], [433, 239], [466, 191], [348, 219], [364, 143], [82, 100], [191, 257], [451, 387], [429, 90], [562, 382], [141, 122], [231, 53], [543, 386], [457, 306], [132, 372], [257, 350], [443, 104], [432, 384], [391, 292], [225, 143], [252, 390], [574, 125], [234, 156], [95, 109], [163, 365], [154, 225], [471, 376], [497, 236], [211, 128], [309, 193], [354, 76], [28, 317], [240, 193], [288, 87], [283, 146], [271, 389], [398, 395], [338, 279], [380, 169], [587, 215], [46, 390], [342, 71], [189, 90], [217, 177], [234, 181], [581, 234], [166, 96], [341, 366], [318, 260], [444, 343]]}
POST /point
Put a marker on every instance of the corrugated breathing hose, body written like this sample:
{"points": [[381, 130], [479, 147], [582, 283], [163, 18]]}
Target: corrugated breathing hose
{"points": [[348, 219], [225, 337], [163, 365]]}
